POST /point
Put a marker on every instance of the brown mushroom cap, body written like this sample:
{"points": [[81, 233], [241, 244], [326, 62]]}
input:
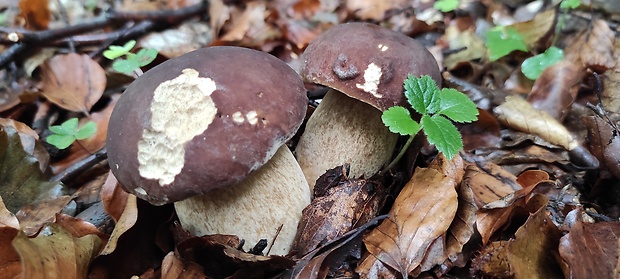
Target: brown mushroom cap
{"points": [[367, 62], [202, 121]]}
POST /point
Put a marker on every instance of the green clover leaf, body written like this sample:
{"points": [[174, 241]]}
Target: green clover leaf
{"points": [[503, 40], [446, 5], [68, 132], [533, 67], [114, 52]]}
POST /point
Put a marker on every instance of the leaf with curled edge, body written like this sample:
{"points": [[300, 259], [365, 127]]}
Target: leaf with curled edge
{"points": [[21, 179], [56, 253], [423, 211]]}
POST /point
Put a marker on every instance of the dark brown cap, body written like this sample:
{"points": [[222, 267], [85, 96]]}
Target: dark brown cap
{"points": [[201, 121], [367, 62]]}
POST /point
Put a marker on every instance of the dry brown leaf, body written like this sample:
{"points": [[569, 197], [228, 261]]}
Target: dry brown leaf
{"points": [[373, 10], [219, 13], [55, 253], [173, 267], [530, 253], [343, 207], [34, 216], [126, 221], [611, 80], [527, 255], [556, 89], [78, 227], [533, 31], [36, 13], [591, 250], [482, 134], [72, 81], [248, 23], [462, 227], [490, 183], [10, 264], [370, 267], [604, 143], [173, 42], [518, 114], [422, 212], [30, 143], [593, 47], [114, 198], [471, 44]]}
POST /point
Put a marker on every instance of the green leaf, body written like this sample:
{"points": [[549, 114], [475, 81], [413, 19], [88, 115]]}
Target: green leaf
{"points": [[503, 40], [68, 127], [443, 134], [86, 131], [114, 52], [421, 93], [446, 5], [145, 56], [60, 141], [398, 120], [125, 66], [570, 4], [533, 67], [457, 106]]}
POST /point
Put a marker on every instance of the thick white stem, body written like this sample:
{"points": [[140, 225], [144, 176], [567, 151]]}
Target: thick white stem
{"points": [[344, 130], [254, 209]]}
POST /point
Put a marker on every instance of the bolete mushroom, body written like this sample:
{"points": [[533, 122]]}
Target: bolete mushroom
{"points": [[207, 130], [365, 66]]}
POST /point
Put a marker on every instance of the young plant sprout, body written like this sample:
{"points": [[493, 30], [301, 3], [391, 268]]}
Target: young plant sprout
{"points": [[438, 108], [68, 132], [132, 61]]}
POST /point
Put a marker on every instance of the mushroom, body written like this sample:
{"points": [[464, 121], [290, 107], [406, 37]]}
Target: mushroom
{"points": [[207, 130], [365, 66]]}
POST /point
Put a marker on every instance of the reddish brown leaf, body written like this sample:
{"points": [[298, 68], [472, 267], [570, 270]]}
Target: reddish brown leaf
{"points": [[337, 210], [593, 47], [591, 250], [422, 212], [114, 198], [55, 253], [173, 267], [373, 10], [10, 263], [556, 89], [29, 139], [604, 143], [72, 81], [126, 221], [33, 216], [36, 13]]}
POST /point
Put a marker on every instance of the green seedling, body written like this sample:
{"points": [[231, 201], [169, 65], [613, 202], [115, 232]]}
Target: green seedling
{"points": [[446, 5], [533, 67], [502, 40], [570, 4], [438, 109], [68, 132], [132, 61]]}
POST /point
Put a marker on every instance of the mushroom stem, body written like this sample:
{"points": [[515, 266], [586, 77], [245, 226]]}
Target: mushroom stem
{"points": [[254, 209], [343, 130]]}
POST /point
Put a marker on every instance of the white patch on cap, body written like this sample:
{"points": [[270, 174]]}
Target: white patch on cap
{"points": [[238, 117], [372, 77], [181, 109], [383, 47], [251, 116], [140, 192]]}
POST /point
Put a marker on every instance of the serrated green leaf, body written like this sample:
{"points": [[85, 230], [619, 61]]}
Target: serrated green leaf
{"points": [[570, 4], [446, 5], [457, 106], [60, 141], [398, 120], [421, 93], [443, 134], [502, 40], [125, 66], [114, 52], [145, 56], [86, 131], [533, 67]]}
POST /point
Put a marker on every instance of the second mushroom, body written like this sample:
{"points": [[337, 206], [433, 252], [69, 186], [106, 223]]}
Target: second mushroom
{"points": [[365, 66]]}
